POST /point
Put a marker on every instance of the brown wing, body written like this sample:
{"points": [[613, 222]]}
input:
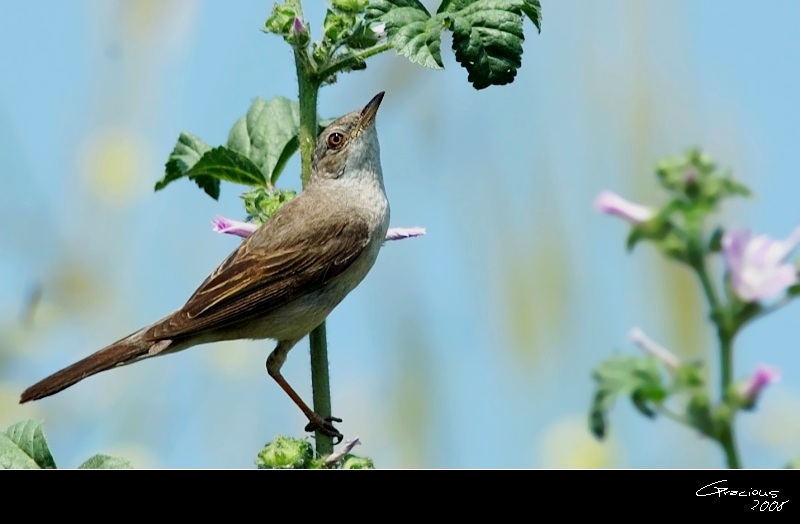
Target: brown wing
{"points": [[270, 268]]}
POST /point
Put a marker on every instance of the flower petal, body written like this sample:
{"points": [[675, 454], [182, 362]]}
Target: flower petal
{"points": [[611, 203], [233, 227]]}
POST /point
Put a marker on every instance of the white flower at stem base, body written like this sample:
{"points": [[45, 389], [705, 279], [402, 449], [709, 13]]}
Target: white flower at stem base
{"points": [[651, 347], [757, 265], [379, 29]]}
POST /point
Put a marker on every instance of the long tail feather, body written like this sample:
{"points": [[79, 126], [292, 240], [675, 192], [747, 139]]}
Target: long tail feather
{"points": [[122, 352]]}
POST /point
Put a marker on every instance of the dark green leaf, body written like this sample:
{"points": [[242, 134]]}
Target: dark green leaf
{"points": [[715, 242], [29, 437], [187, 153], [533, 9], [410, 30], [488, 42], [636, 377], [100, 461], [225, 164], [698, 412], [265, 132]]}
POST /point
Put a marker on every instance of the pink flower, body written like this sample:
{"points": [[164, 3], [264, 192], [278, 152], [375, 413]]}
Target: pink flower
{"points": [[612, 204], [233, 227], [399, 233], [245, 229], [653, 348], [762, 377], [756, 264], [298, 27]]}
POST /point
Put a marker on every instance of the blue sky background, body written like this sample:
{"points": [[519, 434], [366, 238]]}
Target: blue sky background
{"points": [[470, 347]]}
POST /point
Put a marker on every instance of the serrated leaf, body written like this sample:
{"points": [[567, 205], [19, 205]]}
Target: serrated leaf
{"points": [[225, 164], [487, 40], [636, 377], [411, 30], [265, 132], [487, 34], [101, 461], [29, 437], [187, 152]]}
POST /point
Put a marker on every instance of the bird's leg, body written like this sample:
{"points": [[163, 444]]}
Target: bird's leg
{"points": [[316, 422]]}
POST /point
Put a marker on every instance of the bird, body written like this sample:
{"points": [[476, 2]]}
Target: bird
{"points": [[282, 281]]}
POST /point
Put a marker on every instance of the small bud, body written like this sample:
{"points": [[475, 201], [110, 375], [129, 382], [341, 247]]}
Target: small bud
{"points": [[762, 377], [285, 453], [354, 462]]}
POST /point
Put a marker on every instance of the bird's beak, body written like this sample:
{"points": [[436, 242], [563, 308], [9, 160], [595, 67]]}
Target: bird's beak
{"points": [[369, 111]]}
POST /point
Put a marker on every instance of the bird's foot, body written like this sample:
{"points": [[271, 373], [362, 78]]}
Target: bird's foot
{"points": [[325, 426]]}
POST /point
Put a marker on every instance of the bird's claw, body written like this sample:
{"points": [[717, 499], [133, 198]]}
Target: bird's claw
{"points": [[325, 426]]}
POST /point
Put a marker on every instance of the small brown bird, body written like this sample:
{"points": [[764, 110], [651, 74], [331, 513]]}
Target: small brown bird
{"points": [[284, 279]]}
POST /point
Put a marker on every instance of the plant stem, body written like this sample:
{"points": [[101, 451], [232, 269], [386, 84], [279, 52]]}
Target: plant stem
{"points": [[727, 436], [725, 333], [307, 137]]}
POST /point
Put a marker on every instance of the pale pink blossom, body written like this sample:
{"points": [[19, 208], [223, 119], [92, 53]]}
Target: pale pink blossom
{"points": [[245, 229], [654, 349], [233, 227], [399, 233], [612, 204], [757, 265]]}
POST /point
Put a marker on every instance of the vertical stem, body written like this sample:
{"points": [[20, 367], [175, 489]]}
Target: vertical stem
{"points": [[307, 138], [727, 436]]}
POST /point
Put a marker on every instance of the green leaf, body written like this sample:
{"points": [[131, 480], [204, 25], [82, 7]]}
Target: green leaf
{"points": [[29, 438], [350, 6], [267, 134], [13, 457], [636, 377], [410, 30], [487, 40], [184, 156], [225, 164], [487, 34], [101, 461]]}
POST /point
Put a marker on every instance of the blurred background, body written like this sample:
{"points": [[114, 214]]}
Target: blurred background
{"points": [[470, 347]]}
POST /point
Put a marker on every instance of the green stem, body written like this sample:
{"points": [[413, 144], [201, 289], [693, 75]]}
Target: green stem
{"points": [[331, 70], [727, 436], [725, 332], [308, 90]]}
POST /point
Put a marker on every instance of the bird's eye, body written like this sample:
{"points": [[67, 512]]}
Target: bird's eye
{"points": [[335, 140]]}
